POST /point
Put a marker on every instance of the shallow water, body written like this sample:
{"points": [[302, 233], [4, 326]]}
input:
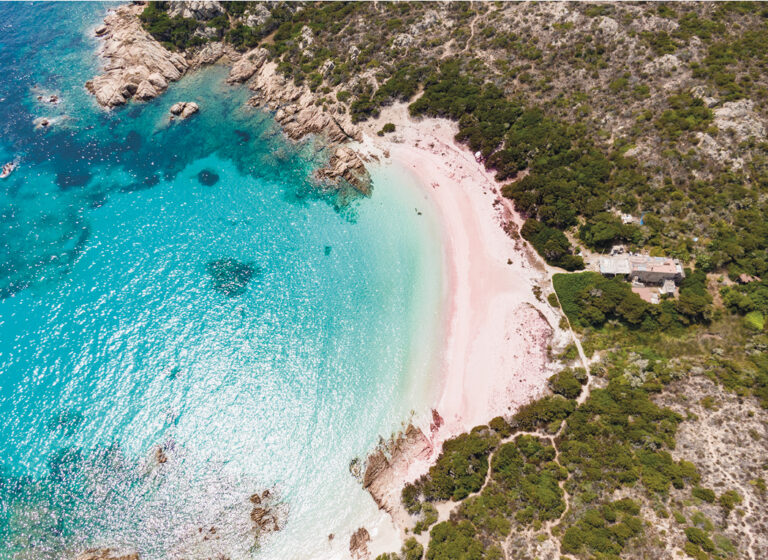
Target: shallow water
{"points": [[256, 331]]}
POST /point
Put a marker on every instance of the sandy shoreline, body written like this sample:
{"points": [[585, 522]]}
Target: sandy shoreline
{"points": [[494, 355]]}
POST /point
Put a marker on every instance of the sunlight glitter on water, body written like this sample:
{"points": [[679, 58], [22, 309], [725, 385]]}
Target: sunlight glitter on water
{"points": [[143, 406]]}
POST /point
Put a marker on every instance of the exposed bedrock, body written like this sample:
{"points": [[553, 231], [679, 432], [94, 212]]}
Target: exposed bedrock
{"points": [[297, 113], [135, 64]]}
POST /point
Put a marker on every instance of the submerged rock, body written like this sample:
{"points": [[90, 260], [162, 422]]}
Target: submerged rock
{"points": [[207, 178], [106, 554], [267, 515], [230, 277]]}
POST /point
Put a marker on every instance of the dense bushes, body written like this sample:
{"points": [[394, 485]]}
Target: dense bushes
{"points": [[617, 437], [176, 33], [568, 382], [450, 540], [461, 468], [552, 244], [411, 550], [686, 114], [589, 299], [526, 471], [604, 532], [606, 229], [546, 413]]}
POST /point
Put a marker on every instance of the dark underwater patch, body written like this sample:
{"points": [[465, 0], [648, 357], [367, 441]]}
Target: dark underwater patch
{"points": [[133, 140], [146, 183], [97, 200], [243, 136], [229, 276], [207, 178], [70, 179], [67, 421]]}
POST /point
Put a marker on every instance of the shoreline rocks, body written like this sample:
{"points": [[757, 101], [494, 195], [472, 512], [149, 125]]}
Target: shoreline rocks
{"points": [[138, 67], [135, 64], [358, 543], [394, 461], [294, 108]]}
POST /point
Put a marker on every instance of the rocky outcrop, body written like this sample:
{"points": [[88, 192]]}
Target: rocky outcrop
{"points": [[741, 119], [139, 67], [267, 515], [201, 11], [247, 65], [296, 110], [184, 109], [135, 64], [358, 543], [211, 53], [346, 164], [105, 554], [404, 457]]}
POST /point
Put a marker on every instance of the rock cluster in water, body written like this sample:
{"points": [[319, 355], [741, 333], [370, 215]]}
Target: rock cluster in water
{"points": [[230, 277], [184, 109], [106, 554], [358, 543], [295, 110], [135, 64], [266, 515]]}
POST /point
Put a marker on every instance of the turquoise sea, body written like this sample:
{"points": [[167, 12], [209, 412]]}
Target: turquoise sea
{"points": [[186, 287]]}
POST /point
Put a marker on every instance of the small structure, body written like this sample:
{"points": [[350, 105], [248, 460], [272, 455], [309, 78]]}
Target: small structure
{"points": [[651, 277], [654, 270], [618, 250], [627, 219]]}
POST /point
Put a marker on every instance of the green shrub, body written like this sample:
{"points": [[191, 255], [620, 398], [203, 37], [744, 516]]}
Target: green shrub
{"points": [[729, 500], [705, 494], [459, 541], [542, 412], [603, 533], [567, 383], [412, 550], [699, 538], [461, 467], [176, 33], [428, 518], [551, 244]]}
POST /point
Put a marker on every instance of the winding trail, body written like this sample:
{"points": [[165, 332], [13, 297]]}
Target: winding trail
{"points": [[449, 507]]}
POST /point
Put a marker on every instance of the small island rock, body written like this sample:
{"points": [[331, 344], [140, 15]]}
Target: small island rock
{"points": [[184, 109]]}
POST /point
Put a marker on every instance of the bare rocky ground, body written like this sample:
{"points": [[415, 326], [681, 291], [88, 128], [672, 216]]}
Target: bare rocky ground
{"points": [[725, 436]]}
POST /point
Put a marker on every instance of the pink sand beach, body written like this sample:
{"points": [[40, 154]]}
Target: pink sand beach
{"points": [[495, 352]]}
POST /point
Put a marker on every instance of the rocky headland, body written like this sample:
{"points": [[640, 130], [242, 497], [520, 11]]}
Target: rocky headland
{"points": [[137, 66]]}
